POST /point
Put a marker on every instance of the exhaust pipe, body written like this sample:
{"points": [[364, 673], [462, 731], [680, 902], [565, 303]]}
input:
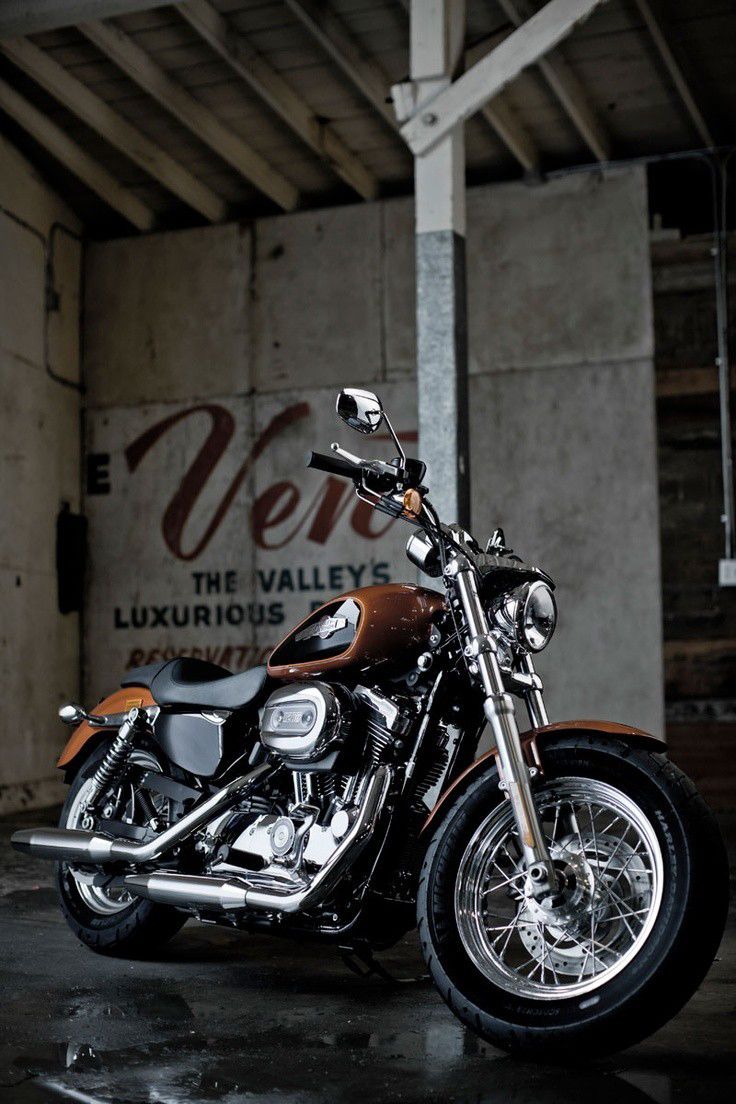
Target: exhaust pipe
{"points": [[208, 892], [71, 845], [188, 890]]}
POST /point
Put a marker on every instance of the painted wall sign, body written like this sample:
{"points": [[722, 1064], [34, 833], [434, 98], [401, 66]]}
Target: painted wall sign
{"points": [[211, 537], [207, 534]]}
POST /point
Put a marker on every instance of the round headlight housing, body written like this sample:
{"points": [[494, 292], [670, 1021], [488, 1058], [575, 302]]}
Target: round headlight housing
{"points": [[528, 616], [538, 617]]}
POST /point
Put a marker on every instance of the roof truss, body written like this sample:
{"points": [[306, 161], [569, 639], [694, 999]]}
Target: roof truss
{"points": [[143, 70], [111, 126], [501, 117], [428, 123], [337, 42], [423, 111], [657, 24], [76, 160], [234, 49], [24, 17], [565, 85]]}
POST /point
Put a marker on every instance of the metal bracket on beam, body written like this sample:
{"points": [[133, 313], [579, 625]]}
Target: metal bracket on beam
{"points": [[433, 118], [404, 98]]}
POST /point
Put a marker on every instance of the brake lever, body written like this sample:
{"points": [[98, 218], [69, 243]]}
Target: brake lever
{"points": [[346, 455]]}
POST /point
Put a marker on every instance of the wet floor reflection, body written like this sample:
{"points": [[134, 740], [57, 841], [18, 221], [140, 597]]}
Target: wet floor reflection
{"points": [[201, 1070], [230, 1018], [200, 1060]]}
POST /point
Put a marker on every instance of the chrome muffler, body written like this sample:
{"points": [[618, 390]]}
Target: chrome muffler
{"points": [[208, 892], [71, 845]]}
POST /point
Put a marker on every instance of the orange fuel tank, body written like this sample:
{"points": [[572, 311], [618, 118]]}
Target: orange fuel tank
{"points": [[367, 627]]}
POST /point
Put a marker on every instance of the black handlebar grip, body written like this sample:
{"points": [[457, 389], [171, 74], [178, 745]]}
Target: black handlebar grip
{"points": [[332, 464]]}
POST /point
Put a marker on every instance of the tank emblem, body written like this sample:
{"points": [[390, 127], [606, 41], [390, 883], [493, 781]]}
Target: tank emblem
{"points": [[324, 628]]}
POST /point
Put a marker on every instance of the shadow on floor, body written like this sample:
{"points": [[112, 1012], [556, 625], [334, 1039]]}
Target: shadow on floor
{"points": [[229, 1017]]}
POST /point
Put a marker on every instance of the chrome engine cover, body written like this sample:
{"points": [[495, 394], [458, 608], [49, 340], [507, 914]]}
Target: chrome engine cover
{"points": [[305, 721], [290, 842]]}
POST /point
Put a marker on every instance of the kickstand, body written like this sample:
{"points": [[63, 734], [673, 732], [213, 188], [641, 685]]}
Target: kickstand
{"points": [[360, 959]]}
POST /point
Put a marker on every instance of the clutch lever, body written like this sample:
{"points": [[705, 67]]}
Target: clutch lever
{"points": [[346, 455], [376, 467]]}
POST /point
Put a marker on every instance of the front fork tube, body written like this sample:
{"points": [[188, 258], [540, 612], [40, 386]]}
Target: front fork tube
{"points": [[500, 714]]}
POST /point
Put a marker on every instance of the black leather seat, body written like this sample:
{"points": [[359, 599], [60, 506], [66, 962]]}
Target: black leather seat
{"points": [[143, 676], [199, 685]]}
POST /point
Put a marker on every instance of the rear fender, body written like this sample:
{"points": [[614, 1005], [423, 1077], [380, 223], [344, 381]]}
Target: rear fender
{"points": [[533, 744], [84, 738]]}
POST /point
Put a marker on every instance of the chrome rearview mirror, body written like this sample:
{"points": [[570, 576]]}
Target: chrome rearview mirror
{"points": [[359, 409]]}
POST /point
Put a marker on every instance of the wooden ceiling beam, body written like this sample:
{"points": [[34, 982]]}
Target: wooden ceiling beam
{"points": [[24, 17], [147, 74], [115, 130], [499, 114], [76, 160], [267, 83], [529, 44], [565, 85], [501, 117], [369, 78], [337, 42], [663, 38]]}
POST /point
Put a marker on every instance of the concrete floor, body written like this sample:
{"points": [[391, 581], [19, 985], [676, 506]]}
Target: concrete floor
{"points": [[227, 1017]]}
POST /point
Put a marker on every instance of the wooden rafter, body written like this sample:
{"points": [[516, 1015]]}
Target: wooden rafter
{"points": [[369, 78], [527, 45], [565, 85], [143, 70], [234, 49], [111, 126], [361, 70], [661, 34], [24, 17], [76, 160], [501, 117]]}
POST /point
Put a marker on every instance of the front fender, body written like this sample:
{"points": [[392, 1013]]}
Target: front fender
{"points": [[119, 702], [533, 744]]}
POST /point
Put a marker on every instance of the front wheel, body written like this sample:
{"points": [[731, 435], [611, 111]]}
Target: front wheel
{"points": [[644, 888]]}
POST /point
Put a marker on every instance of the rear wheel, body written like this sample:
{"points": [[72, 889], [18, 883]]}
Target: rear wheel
{"points": [[100, 912], [644, 887]]}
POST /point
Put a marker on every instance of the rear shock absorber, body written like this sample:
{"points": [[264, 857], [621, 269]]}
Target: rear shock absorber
{"points": [[117, 755]]}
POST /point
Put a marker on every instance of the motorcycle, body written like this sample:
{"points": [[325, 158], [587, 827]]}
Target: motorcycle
{"points": [[569, 887]]}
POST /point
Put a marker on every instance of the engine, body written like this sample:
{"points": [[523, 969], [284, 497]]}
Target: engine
{"points": [[331, 739], [307, 724]]}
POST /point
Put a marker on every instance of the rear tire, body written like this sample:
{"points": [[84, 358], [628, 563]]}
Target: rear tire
{"points": [[134, 930], [671, 960]]}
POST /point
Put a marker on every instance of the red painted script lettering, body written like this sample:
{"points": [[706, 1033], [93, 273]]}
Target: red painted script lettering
{"points": [[273, 507]]}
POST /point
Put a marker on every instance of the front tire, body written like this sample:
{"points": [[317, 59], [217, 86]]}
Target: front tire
{"points": [[652, 907], [105, 920]]}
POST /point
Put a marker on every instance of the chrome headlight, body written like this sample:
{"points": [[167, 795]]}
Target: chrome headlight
{"points": [[528, 616]]}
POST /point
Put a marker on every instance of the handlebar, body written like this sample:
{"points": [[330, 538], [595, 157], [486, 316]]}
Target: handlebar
{"points": [[384, 481], [334, 465]]}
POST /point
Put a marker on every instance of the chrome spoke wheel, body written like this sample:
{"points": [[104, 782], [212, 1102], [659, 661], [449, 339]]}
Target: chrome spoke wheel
{"points": [[99, 892], [610, 867]]}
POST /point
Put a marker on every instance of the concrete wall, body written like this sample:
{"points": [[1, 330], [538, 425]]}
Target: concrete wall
{"points": [[40, 470], [212, 360]]}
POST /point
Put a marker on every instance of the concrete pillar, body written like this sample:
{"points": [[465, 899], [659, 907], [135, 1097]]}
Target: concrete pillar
{"points": [[437, 40]]}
